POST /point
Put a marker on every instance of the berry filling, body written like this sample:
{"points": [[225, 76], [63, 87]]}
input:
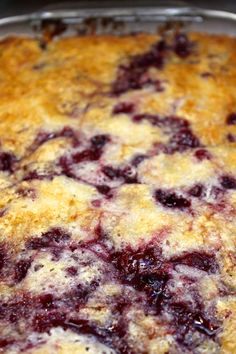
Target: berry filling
{"points": [[7, 161], [231, 119], [231, 138], [138, 159], [196, 191], [27, 193], [106, 190], [43, 137], [182, 46], [52, 238], [134, 76], [128, 174], [40, 175], [181, 136], [143, 274], [171, 200], [228, 182], [202, 154], [169, 123], [21, 269], [68, 163], [3, 256], [123, 107], [184, 139], [202, 261]]}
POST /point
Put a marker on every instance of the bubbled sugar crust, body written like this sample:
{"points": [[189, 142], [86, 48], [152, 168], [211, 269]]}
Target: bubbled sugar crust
{"points": [[118, 194]]}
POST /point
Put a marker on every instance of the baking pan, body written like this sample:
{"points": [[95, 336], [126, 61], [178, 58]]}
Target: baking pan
{"points": [[120, 21]]}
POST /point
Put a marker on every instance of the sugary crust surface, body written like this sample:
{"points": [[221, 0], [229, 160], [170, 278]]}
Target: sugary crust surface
{"points": [[118, 194]]}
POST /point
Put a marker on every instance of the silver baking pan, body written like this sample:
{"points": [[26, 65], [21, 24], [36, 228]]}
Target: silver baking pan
{"points": [[119, 20]]}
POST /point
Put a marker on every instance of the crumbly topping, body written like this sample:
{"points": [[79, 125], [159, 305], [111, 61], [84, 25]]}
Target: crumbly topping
{"points": [[118, 194]]}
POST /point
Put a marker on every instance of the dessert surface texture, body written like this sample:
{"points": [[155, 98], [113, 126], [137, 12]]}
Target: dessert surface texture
{"points": [[118, 194]]}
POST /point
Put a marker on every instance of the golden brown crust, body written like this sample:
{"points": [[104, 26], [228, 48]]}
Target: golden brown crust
{"points": [[100, 252]]}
